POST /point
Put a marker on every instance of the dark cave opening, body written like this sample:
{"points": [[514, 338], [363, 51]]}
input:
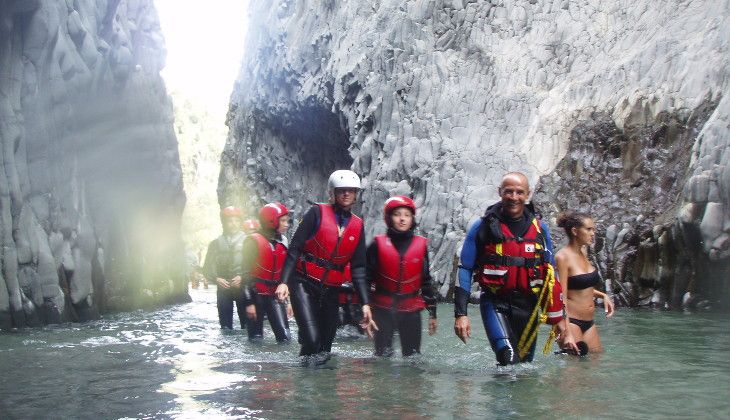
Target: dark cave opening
{"points": [[289, 156]]}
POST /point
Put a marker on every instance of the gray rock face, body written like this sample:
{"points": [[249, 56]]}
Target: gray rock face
{"points": [[621, 107], [90, 183]]}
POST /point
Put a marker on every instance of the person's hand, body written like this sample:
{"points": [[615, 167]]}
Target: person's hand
{"points": [[236, 282], [282, 292], [462, 328], [251, 311], [289, 311], [608, 306], [367, 322], [566, 340], [432, 325], [222, 283]]}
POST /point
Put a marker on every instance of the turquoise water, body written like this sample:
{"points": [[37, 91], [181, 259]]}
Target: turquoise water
{"points": [[176, 363]]}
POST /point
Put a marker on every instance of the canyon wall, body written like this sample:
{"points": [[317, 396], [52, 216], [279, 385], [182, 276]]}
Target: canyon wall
{"points": [[617, 108], [90, 184]]}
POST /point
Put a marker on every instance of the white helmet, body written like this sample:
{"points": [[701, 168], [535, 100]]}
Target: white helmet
{"points": [[343, 178]]}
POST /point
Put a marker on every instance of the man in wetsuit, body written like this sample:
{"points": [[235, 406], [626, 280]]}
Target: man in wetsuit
{"points": [[509, 252], [328, 238], [223, 265]]}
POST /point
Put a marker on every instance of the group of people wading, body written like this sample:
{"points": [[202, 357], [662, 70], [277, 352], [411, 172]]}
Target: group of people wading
{"points": [[508, 252]]}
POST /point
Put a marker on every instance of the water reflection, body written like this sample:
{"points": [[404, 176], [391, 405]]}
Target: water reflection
{"points": [[177, 363]]}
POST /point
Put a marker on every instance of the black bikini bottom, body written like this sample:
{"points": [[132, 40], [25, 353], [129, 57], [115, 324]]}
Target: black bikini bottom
{"points": [[582, 324]]}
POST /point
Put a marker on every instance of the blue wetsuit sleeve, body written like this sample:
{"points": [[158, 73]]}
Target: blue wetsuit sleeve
{"points": [[548, 243], [467, 264], [468, 257]]}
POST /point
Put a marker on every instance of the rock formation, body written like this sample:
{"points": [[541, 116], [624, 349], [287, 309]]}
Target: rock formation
{"points": [[619, 108], [90, 184]]}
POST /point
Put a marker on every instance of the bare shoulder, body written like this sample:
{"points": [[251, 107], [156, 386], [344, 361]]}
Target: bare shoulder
{"points": [[565, 255]]}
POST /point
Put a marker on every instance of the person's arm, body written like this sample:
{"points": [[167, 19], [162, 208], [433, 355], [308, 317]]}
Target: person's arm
{"points": [[562, 271], [468, 261], [358, 270], [428, 288], [608, 306], [371, 262], [550, 250], [430, 295], [306, 229], [362, 287], [211, 269], [209, 266], [561, 274]]}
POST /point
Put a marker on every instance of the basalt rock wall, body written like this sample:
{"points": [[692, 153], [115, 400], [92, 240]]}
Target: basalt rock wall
{"points": [[90, 183], [619, 108]]}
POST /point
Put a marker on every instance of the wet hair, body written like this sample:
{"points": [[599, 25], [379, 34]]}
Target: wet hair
{"points": [[571, 219]]}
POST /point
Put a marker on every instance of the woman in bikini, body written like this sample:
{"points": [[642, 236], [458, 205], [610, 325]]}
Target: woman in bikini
{"points": [[580, 278]]}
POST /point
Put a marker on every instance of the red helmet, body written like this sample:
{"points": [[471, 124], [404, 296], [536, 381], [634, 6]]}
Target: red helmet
{"points": [[269, 215], [231, 211], [394, 202], [251, 225]]}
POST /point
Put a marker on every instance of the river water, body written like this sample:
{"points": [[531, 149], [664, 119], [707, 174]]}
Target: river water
{"points": [[177, 363]]}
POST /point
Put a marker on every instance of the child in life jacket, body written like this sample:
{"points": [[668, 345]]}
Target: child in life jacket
{"points": [[264, 255], [397, 268]]}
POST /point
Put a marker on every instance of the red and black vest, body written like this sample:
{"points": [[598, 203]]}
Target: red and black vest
{"points": [[266, 270], [398, 279], [519, 263], [325, 255]]}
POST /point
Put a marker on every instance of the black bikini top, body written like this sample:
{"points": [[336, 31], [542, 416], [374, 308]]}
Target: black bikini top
{"points": [[584, 281]]}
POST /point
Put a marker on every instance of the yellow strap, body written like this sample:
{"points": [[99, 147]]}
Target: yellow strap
{"points": [[537, 225], [529, 334], [551, 338]]}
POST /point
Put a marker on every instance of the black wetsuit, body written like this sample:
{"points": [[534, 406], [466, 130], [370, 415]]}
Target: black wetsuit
{"points": [[265, 304], [223, 259], [408, 324], [315, 305]]}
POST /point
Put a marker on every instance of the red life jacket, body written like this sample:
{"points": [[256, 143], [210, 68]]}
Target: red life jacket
{"points": [[266, 271], [555, 309], [326, 254], [398, 279], [519, 264]]}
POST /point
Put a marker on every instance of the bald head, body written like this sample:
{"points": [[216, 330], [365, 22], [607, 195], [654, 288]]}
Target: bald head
{"points": [[514, 192], [515, 177]]}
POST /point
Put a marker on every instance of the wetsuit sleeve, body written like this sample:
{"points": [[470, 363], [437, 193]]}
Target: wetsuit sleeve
{"points": [[428, 288], [371, 262], [357, 268], [307, 228], [210, 271], [467, 264], [548, 243]]}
